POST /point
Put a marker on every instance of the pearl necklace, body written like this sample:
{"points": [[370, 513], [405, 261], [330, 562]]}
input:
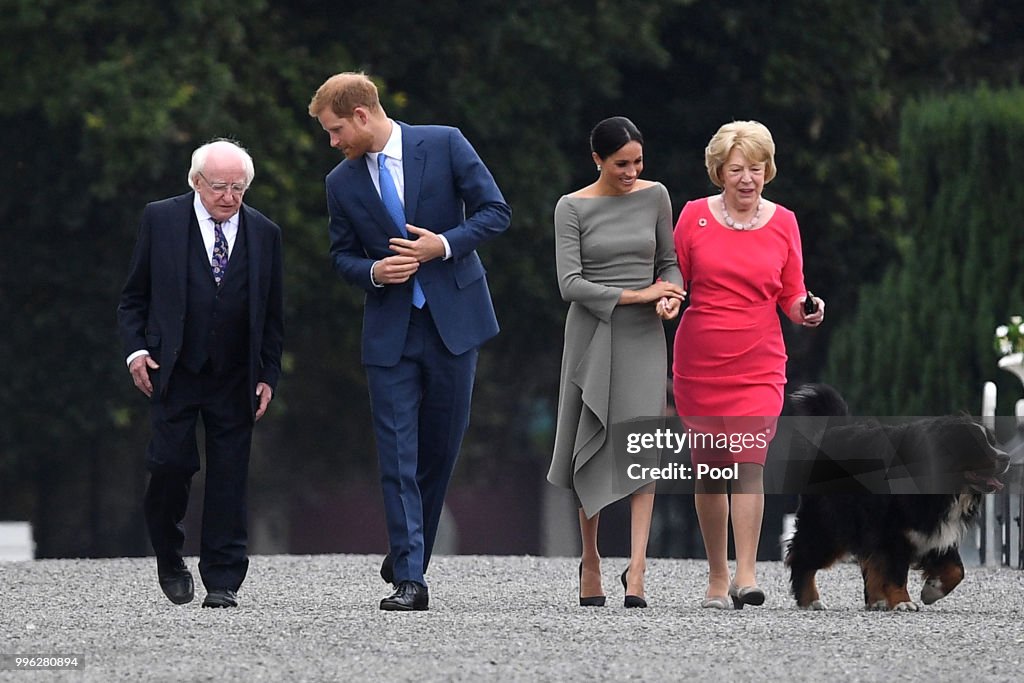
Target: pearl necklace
{"points": [[735, 225]]}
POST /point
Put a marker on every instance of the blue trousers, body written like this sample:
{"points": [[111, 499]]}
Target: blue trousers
{"points": [[420, 413]]}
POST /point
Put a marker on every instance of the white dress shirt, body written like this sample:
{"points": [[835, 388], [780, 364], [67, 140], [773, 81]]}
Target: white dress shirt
{"points": [[393, 163], [230, 228]]}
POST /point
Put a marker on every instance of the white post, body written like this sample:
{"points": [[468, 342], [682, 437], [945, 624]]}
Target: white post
{"points": [[993, 539], [16, 542], [988, 405], [1015, 504]]}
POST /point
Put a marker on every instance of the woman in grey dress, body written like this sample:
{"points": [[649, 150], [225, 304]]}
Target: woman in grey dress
{"points": [[617, 268]]}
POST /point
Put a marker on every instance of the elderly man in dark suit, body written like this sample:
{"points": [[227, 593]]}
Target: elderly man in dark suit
{"points": [[408, 207], [201, 322]]}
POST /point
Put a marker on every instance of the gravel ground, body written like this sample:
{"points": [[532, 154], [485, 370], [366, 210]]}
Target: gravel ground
{"points": [[315, 618]]}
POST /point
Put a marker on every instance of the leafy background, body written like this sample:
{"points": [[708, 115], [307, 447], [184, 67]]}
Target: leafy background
{"points": [[101, 104]]}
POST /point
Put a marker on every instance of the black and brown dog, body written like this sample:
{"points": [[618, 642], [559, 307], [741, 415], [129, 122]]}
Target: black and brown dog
{"points": [[953, 460]]}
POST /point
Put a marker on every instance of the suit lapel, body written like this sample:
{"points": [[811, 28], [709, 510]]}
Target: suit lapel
{"points": [[370, 198], [414, 160], [182, 227], [253, 252]]}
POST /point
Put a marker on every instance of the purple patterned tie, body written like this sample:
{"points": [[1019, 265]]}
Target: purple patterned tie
{"points": [[220, 253]]}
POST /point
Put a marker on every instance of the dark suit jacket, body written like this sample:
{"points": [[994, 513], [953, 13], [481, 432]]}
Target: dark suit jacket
{"points": [[447, 190], [153, 305]]}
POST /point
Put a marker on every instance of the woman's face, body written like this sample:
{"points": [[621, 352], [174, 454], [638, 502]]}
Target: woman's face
{"points": [[742, 179], [620, 170]]}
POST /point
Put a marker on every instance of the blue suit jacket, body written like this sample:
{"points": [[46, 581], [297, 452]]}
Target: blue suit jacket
{"points": [[153, 306], [449, 191]]}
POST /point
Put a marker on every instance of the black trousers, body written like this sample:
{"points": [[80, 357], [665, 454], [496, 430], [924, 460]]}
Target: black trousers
{"points": [[173, 457]]}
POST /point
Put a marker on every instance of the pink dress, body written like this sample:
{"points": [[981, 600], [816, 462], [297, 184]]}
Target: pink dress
{"points": [[729, 358]]}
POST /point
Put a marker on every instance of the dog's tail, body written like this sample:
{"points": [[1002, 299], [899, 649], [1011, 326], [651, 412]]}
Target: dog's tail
{"points": [[818, 400]]}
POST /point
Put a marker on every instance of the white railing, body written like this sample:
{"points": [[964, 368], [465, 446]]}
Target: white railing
{"points": [[1001, 534]]}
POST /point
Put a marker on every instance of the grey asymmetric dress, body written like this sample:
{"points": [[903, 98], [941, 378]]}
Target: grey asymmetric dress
{"points": [[614, 362]]}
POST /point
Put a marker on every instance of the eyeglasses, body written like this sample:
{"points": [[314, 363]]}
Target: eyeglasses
{"points": [[221, 188]]}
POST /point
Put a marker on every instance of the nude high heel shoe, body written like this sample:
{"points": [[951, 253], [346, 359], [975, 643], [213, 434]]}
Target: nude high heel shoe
{"points": [[745, 595], [717, 602]]}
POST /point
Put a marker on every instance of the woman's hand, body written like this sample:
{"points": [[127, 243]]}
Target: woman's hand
{"points": [[661, 289], [812, 320], [667, 308]]}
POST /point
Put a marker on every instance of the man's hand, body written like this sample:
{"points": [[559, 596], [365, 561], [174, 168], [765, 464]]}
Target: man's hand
{"points": [[265, 393], [140, 367], [394, 270], [426, 247]]}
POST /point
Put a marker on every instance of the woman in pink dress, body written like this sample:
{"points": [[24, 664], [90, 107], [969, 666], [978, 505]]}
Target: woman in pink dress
{"points": [[740, 255]]}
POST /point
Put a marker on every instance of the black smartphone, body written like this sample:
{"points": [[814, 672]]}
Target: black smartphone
{"points": [[810, 305]]}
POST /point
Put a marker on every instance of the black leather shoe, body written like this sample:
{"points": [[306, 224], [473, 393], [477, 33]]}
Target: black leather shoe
{"points": [[631, 600], [387, 570], [408, 596], [221, 597], [592, 601], [177, 585]]}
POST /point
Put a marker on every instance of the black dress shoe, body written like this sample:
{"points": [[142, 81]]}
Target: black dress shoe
{"points": [[387, 570], [177, 585], [631, 600], [408, 596], [593, 600], [221, 597]]}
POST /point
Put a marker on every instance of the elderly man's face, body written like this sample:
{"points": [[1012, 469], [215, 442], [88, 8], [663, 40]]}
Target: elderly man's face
{"points": [[221, 184]]}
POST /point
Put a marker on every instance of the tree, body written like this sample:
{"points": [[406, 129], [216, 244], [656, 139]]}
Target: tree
{"points": [[921, 341], [519, 78], [101, 105], [126, 90], [102, 102]]}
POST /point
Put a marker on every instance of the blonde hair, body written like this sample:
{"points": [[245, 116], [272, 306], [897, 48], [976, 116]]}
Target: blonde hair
{"points": [[343, 93], [753, 140]]}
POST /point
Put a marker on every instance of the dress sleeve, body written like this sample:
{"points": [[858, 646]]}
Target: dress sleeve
{"points": [[793, 287], [666, 265], [600, 300]]}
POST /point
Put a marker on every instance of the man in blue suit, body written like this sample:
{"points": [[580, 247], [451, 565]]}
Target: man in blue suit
{"points": [[408, 208], [201, 325]]}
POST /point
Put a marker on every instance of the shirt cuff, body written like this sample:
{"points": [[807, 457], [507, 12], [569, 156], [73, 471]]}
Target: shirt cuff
{"points": [[372, 281], [142, 352], [447, 248]]}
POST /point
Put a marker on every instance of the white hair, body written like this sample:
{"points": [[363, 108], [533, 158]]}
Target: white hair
{"points": [[199, 160]]}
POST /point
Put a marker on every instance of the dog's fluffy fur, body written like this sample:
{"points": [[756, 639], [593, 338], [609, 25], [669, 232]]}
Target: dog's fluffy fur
{"points": [[889, 534]]}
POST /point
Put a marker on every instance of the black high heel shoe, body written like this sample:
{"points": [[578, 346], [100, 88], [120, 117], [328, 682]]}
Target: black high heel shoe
{"points": [[631, 600], [592, 601]]}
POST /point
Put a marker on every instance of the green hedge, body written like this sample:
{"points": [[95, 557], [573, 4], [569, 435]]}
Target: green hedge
{"points": [[920, 342]]}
